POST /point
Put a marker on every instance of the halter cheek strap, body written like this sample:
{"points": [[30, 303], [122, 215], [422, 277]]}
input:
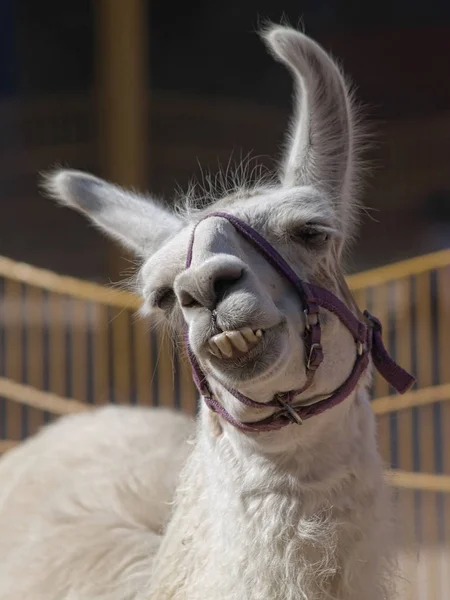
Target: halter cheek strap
{"points": [[367, 334]]}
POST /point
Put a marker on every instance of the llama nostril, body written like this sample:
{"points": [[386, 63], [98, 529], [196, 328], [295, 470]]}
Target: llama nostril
{"points": [[224, 281], [186, 300], [207, 285], [163, 298]]}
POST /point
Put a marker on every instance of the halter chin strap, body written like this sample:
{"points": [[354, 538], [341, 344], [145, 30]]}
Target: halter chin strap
{"points": [[367, 334]]}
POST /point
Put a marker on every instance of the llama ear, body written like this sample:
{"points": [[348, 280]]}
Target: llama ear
{"points": [[321, 145], [137, 222]]}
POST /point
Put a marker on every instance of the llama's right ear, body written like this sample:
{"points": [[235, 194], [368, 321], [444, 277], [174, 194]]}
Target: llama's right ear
{"points": [[137, 222]]}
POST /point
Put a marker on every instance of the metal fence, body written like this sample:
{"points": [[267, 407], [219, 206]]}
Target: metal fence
{"points": [[67, 344]]}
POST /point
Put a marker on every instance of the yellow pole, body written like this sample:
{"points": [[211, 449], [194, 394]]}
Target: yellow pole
{"points": [[122, 77]]}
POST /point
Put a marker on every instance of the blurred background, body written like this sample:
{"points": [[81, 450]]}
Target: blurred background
{"points": [[150, 94], [144, 92]]}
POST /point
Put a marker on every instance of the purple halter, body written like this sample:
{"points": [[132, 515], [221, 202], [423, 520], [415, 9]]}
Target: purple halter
{"points": [[366, 333]]}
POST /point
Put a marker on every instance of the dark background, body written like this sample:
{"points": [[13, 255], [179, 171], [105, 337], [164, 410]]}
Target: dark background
{"points": [[214, 92]]}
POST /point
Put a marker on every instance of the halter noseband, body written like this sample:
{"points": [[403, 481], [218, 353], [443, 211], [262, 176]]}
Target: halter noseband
{"points": [[366, 334]]}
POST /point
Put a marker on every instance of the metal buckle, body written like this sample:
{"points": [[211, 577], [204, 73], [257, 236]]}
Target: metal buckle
{"points": [[290, 412], [311, 351]]}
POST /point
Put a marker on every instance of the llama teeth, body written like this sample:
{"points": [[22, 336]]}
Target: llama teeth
{"points": [[213, 348], [238, 340], [249, 334], [224, 344]]}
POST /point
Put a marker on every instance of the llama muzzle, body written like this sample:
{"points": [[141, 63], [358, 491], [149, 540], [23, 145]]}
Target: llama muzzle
{"points": [[366, 332]]}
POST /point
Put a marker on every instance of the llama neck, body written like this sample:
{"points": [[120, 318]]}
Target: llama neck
{"points": [[253, 522]]}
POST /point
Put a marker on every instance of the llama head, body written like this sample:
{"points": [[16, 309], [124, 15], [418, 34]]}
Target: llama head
{"points": [[230, 287]]}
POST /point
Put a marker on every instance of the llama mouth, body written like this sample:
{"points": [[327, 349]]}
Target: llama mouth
{"points": [[261, 356], [234, 343]]}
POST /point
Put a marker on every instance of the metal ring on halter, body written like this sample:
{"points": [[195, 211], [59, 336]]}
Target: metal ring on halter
{"points": [[290, 412], [312, 350]]}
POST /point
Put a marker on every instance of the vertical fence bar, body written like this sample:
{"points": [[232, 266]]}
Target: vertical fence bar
{"points": [[100, 369], [24, 335], [57, 344], [46, 308], [443, 308], [13, 358], [89, 341], [34, 316], [443, 278], [79, 357], [121, 356], [67, 325], [133, 367], [444, 360], [144, 363], [406, 503], [426, 433]]}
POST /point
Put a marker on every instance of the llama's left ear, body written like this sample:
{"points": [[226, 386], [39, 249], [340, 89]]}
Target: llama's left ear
{"points": [[137, 222], [321, 146]]}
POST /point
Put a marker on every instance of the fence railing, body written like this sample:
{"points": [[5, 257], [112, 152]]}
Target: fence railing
{"points": [[68, 345], [79, 340]]}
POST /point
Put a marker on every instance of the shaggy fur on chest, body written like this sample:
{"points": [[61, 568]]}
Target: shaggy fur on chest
{"points": [[256, 527]]}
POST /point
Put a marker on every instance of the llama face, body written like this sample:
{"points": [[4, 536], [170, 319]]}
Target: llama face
{"points": [[244, 321]]}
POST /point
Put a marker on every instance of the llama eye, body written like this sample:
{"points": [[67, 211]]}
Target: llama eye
{"points": [[164, 298], [310, 236]]}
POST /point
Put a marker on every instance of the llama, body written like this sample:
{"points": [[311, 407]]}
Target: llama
{"points": [[281, 495]]}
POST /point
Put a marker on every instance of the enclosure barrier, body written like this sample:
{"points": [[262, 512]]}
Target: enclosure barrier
{"points": [[67, 345]]}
